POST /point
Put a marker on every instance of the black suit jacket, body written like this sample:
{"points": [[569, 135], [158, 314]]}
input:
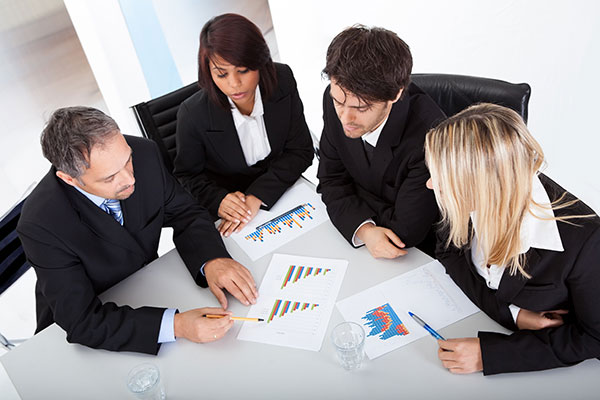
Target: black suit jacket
{"points": [[210, 162], [560, 280], [78, 251], [391, 190]]}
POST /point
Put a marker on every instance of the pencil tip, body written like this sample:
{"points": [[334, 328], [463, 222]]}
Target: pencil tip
{"points": [[260, 320]]}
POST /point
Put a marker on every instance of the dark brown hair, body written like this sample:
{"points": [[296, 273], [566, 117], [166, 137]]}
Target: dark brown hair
{"points": [[371, 63], [239, 42]]}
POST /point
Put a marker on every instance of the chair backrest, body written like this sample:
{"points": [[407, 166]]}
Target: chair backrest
{"points": [[13, 262], [157, 119], [454, 93]]}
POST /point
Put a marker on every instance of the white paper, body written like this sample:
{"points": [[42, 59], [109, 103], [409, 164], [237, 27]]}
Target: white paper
{"points": [[312, 213], [426, 291], [308, 286]]}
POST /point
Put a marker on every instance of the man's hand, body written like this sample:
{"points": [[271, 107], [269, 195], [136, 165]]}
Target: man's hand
{"points": [[233, 208], [381, 242], [194, 326], [227, 227], [225, 273], [461, 356], [539, 320]]}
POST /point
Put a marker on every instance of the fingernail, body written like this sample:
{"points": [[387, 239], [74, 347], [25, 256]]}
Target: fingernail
{"points": [[249, 212], [245, 221]]}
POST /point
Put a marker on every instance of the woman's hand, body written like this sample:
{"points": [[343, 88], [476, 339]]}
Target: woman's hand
{"points": [[233, 208], [461, 356], [534, 321], [252, 203]]}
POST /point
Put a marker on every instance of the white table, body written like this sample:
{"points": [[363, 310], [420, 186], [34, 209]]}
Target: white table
{"points": [[47, 367]]}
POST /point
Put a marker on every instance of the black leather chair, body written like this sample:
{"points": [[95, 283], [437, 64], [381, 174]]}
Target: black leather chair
{"points": [[13, 262], [157, 119], [454, 93]]}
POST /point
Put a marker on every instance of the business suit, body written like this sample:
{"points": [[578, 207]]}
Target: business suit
{"points": [[78, 251], [390, 190], [559, 280], [210, 162]]}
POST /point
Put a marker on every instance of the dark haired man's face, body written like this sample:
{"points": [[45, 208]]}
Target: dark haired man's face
{"points": [[110, 174], [357, 117]]}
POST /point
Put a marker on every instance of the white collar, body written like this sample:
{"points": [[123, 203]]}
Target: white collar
{"points": [[257, 110], [373, 137], [535, 232], [97, 200]]}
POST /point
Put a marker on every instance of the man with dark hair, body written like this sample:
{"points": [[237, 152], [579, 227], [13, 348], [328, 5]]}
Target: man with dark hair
{"points": [[96, 218], [372, 169]]}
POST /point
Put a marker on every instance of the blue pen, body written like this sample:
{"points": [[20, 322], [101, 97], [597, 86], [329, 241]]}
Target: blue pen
{"points": [[427, 327]]}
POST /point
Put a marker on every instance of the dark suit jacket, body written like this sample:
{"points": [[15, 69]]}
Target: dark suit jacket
{"points": [[392, 189], [210, 162], [78, 251], [560, 280]]}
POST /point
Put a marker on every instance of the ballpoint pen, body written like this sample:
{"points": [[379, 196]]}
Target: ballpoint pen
{"points": [[426, 327]]}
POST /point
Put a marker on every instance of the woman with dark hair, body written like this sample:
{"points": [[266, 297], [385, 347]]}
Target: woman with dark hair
{"points": [[242, 139]]}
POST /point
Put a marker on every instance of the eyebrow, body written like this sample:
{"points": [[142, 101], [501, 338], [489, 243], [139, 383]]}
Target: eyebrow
{"points": [[127, 162], [339, 102]]}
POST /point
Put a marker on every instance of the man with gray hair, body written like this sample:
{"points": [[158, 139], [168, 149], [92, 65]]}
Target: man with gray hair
{"points": [[96, 218]]}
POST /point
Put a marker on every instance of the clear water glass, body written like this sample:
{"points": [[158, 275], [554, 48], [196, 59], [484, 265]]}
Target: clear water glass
{"points": [[144, 382], [349, 341]]}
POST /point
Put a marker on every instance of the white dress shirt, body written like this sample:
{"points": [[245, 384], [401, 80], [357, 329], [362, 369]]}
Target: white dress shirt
{"points": [[535, 232], [371, 138], [252, 131]]}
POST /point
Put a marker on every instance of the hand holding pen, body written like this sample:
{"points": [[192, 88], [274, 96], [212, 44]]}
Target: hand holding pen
{"points": [[460, 356]]}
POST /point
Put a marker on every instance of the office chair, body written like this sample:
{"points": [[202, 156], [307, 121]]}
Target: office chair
{"points": [[157, 119], [454, 93], [13, 263]]}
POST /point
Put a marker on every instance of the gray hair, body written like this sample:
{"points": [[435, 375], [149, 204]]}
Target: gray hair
{"points": [[70, 134]]}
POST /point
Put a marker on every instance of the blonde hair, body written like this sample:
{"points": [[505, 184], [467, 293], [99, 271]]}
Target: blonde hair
{"points": [[483, 159]]}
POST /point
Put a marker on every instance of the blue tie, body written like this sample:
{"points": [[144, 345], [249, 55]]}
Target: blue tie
{"points": [[113, 207]]}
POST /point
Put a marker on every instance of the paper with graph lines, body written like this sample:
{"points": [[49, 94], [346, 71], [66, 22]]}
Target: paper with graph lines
{"points": [[299, 210], [297, 296], [382, 310]]}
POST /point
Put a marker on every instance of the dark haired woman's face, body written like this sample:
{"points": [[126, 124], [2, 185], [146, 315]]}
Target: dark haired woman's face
{"points": [[237, 83]]}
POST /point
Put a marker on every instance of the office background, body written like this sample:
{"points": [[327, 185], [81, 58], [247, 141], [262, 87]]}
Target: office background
{"points": [[112, 54]]}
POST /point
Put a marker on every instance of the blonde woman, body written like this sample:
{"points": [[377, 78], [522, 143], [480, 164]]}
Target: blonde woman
{"points": [[522, 248]]}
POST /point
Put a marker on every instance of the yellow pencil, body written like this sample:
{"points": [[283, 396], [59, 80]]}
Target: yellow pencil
{"points": [[235, 318]]}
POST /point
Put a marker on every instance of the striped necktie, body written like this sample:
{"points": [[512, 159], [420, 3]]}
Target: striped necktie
{"points": [[113, 207]]}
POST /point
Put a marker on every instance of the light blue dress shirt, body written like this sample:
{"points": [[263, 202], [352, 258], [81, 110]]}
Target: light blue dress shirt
{"points": [[167, 324]]}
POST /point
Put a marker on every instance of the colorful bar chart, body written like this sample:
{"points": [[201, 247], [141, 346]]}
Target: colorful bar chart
{"points": [[291, 219], [296, 272], [384, 322], [283, 307]]}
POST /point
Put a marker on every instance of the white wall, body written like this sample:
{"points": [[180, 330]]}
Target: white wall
{"points": [[554, 46], [106, 40]]}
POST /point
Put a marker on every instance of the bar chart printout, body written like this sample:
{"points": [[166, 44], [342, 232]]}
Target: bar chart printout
{"points": [[297, 297], [384, 322], [383, 309], [298, 211]]}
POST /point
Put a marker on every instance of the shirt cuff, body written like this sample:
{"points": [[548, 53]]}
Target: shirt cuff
{"points": [[356, 242], [514, 310], [167, 326], [202, 270]]}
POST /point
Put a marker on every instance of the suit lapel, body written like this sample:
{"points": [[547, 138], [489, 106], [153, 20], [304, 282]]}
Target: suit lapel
{"points": [[274, 123], [511, 285], [224, 138], [104, 225], [390, 137]]}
